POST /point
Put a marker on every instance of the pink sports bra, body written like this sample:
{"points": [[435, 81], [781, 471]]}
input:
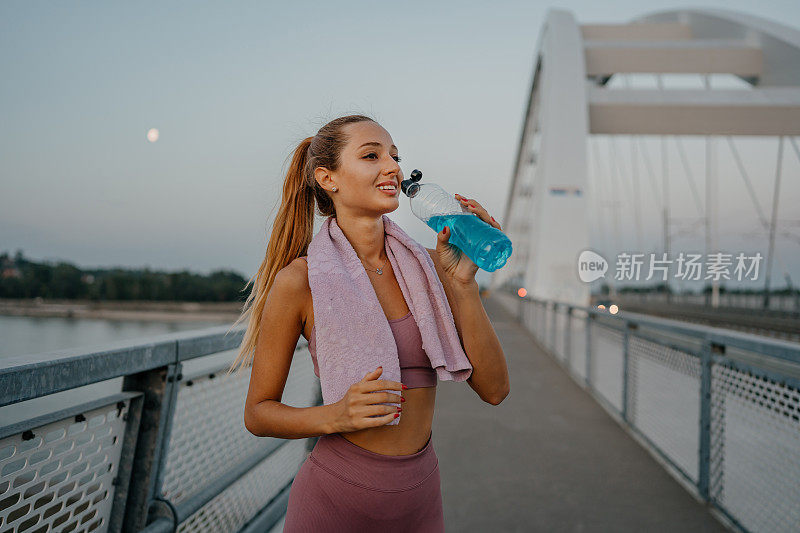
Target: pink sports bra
{"points": [[415, 367]]}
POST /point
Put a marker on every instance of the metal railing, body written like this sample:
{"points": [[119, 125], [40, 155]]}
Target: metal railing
{"points": [[781, 303], [168, 452], [720, 408]]}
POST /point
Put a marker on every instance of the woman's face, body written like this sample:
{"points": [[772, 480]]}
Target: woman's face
{"points": [[368, 160]]}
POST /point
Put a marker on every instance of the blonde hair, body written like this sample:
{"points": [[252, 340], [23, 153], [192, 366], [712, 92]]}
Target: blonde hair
{"points": [[293, 227]]}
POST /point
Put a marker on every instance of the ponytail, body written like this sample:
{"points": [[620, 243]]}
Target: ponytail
{"points": [[293, 227], [291, 234]]}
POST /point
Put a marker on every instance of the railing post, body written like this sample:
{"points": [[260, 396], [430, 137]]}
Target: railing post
{"points": [[568, 338], [625, 363], [704, 459], [176, 371], [159, 387], [588, 378], [541, 320], [122, 480]]}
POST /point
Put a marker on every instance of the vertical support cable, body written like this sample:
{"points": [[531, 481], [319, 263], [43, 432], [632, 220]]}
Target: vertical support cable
{"points": [[795, 291], [637, 195], [687, 169], [616, 206], [596, 194], [624, 184], [637, 208], [650, 173], [750, 190], [762, 218], [642, 149], [711, 200], [616, 203], [665, 186], [796, 149], [774, 221], [607, 235]]}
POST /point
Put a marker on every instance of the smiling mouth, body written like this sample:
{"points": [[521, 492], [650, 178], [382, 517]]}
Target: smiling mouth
{"points": [[389, 189]]}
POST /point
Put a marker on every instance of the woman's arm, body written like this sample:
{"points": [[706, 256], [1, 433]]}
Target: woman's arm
{"points": [[489, 377], [281, 326]]}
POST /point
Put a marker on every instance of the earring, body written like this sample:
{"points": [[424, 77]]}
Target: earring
{"points": [[335, 188]]}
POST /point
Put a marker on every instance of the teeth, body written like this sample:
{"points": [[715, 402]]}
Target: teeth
{"points": [[387, 187]]}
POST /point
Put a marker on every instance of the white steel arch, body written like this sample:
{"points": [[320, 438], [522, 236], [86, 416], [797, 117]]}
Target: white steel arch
{"points": [[546, 212]]}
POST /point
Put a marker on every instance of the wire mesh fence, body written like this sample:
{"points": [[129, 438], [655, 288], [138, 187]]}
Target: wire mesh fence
{"points": [[721, 408]]}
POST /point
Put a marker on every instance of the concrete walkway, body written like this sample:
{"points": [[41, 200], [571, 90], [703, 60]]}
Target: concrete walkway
{"points": [[549, 458]]}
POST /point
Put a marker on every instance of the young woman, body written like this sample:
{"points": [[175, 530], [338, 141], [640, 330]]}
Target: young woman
{"points": [[363, 474]]}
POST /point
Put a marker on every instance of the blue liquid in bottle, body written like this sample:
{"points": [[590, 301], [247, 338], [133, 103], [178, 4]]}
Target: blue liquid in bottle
{"points": [[485, 245], [488, 247]]}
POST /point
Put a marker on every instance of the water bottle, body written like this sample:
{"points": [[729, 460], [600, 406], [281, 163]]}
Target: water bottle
{"points": [[487, 246]]}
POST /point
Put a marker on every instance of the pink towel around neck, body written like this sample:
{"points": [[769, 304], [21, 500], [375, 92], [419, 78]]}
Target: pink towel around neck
{"points": [[353, 335]]}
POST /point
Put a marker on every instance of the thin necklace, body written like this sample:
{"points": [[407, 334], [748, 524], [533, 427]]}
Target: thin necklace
{"points": [[379, 270]]}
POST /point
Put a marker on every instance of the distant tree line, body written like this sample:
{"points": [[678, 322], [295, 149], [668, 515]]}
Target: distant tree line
{"points": [[23, 278]]}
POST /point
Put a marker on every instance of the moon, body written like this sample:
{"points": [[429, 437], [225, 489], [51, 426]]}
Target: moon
{"points": [[152, 135]]}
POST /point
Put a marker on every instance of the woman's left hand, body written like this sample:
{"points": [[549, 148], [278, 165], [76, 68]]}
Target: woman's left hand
{"points": [[455, 263]]}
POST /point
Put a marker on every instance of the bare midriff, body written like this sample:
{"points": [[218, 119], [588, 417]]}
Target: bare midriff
{"points": [[412, 432], [407, 437]]}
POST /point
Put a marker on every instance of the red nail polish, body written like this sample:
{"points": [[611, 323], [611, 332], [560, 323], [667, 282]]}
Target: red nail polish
{"points": [[396, 415], [493, 219], [404, 387], [399, 409], [402, 399]]}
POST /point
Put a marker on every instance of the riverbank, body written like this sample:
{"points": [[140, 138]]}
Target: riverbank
{"points": [[128, 310], [123, 310]]}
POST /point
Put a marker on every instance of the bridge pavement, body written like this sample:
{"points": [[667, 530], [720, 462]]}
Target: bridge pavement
{"points": [[549, 458]]}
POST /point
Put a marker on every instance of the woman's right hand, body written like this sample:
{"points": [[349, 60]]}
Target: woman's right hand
{"points": [[353, 411]]}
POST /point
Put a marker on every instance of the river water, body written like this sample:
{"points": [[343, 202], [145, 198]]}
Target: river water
{"points": [[20, 336]]}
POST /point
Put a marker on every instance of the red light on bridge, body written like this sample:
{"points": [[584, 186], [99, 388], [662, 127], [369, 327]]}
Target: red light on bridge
{"points": [[522, 292]]}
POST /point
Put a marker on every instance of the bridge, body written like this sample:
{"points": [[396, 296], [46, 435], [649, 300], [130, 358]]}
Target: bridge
{"points": [[615, 422], [623, 421], [603, 103]]}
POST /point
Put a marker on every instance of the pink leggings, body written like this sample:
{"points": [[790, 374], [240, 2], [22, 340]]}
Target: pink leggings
{"points": [[343, 487]]}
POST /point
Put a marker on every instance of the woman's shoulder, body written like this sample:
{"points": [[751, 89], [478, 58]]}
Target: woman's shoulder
{"points": [[295, 274], [293, 288]]}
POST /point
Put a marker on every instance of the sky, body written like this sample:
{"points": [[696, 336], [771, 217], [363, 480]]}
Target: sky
{"points": [[232, 89]]}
